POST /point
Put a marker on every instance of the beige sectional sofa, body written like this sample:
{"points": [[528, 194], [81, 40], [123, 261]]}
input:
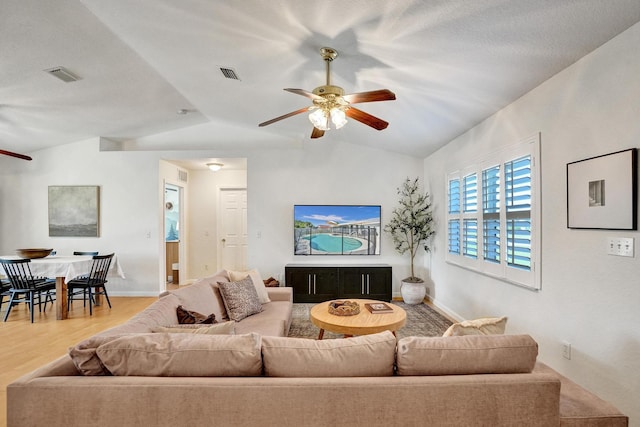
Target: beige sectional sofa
{"points": [[258, 377]]}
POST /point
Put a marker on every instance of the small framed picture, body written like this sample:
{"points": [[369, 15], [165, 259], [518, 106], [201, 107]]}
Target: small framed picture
{"points": [[602, 192]]}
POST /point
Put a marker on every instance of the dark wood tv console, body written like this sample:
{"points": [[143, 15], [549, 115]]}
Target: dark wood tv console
{"points": [[317, 283]]}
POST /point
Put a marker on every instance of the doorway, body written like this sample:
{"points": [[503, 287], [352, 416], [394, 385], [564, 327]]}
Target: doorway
{"points": [[232, 229], [172, 233]]}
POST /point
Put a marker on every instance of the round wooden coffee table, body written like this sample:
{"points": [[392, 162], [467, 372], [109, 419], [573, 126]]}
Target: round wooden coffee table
{"points": [[363, 323]]}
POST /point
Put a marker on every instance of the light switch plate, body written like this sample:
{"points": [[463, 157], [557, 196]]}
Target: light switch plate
{"points": [[621, 246]]}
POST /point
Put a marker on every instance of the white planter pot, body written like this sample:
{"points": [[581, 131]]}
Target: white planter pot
{"points": [[413, 293]]}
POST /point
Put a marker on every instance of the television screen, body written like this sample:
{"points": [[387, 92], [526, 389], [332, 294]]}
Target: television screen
{"points": [[337, 229]]}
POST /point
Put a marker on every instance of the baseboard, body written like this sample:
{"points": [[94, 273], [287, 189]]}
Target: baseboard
{"points": [[446, 311]]}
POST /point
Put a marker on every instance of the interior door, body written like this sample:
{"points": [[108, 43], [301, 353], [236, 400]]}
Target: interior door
{"points": [[232, 229]]}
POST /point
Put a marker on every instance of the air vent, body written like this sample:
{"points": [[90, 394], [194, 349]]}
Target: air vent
{"points": [[229, 73], [182, 175], [63, 74]]}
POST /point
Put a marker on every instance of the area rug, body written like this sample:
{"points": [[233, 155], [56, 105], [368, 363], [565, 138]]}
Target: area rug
{"points": [[422, 320]]}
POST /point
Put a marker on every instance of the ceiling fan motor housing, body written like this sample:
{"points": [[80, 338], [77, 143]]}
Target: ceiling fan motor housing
{"points": [[328, 90]]}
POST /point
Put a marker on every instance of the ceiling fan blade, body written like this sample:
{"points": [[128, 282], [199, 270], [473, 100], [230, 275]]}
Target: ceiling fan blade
{"points": [[304, 93], [316, 133], [372, 96], [366, 118], [286, 116], [20, 156]]}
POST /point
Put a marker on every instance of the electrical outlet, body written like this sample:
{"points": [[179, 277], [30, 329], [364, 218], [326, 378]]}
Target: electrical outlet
{"points": [[566, 350]]}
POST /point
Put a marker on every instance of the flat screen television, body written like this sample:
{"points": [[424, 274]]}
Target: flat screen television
{"points": [[337, 229]]}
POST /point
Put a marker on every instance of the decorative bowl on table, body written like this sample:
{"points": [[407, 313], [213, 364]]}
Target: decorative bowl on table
{"points": [[344, 308], [33, 253]]}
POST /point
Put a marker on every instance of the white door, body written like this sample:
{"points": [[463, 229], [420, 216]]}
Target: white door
{"points": [[232, 229]]}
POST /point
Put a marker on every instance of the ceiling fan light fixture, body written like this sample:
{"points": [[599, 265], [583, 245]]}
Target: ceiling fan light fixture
{"points": [[214, 167], [325, 119], [320, 119], [338, 117]]}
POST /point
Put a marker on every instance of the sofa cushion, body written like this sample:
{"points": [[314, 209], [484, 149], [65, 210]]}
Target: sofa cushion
{"points": [[240, 299], [84, 355], [202, 296], [274, 320], [224, 328], [256, 279], [161, 312], [189, 317], [363, 356], [183, 355], [483, 326], [472, 354]]}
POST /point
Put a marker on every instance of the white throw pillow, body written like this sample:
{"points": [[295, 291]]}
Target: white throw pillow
{"points": [[483, 326], [261, 289]]}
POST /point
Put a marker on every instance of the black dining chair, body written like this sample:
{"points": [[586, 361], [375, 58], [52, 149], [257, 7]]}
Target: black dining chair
{"points": [[92, 284], [24, 287], [82, 292], [4, 291]]}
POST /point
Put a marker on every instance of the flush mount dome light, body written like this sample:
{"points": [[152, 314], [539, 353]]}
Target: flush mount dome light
{"points": [[215, 167]]}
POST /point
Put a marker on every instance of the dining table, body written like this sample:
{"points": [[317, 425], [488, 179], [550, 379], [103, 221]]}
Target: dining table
{"points": [[65, 268]]}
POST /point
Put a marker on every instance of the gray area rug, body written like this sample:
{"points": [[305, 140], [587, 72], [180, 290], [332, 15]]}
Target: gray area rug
{"points": [[422, 320]]}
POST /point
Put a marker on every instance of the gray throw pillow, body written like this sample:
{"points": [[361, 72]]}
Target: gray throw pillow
{"points": [[240, 298]]}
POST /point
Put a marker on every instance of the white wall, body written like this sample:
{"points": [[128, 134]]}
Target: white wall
{"points": [[325, 173], [132, 192], [588, 298]]}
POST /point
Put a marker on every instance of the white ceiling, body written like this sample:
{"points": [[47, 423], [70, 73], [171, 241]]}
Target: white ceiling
{"points": [[451, 64]]}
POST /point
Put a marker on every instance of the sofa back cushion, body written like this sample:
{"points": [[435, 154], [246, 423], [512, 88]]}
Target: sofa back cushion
{"points": [[84, 355], [203, 296], [183, 355], [471, 354], [363, 356]]}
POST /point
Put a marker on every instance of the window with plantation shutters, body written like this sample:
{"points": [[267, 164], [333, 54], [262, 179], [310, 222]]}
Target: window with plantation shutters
{"points": [[493, 215]]}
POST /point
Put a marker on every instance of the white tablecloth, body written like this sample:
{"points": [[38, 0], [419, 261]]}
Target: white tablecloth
{"points": [[68, 266]]}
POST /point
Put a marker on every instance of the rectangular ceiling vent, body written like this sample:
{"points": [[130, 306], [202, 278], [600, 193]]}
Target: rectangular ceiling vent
{"points": [[182, 175], [229, 73], [63, 74]]}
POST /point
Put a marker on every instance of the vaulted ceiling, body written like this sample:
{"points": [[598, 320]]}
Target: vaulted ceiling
{"points": [[451, 64]]}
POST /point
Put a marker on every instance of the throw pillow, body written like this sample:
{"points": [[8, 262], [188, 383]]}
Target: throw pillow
{"points": [[255, 278], [187, 317], [472, 354], [484, 326], [183, 355], [364, 356], [240, 299], [224, 328]]}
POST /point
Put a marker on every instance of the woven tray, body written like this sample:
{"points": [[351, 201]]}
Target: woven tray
{"points": [[344, 308]]}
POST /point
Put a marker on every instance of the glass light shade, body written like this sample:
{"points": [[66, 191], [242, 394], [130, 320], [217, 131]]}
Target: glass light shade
{"points": [[338, 117], [214, 166], [320, 119]]}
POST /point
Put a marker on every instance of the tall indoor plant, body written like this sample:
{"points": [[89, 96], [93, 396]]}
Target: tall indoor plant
{"points": [[411, 226]]}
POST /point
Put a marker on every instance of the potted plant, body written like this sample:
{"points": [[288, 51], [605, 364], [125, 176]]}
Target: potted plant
{"points": [[411, 225]]}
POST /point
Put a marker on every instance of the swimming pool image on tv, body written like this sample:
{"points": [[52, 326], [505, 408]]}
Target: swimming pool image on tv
{"points": [[337, 229], [329, 243]]}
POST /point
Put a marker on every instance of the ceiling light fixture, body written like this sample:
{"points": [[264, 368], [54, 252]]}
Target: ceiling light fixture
{"points": [[328, 115], [63, 74], [215, 167]]}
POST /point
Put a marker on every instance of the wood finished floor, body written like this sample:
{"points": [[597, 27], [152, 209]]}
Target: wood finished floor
{"points": [[25, 346]]}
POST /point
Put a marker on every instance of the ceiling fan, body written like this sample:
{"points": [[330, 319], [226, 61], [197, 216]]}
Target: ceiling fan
{"points": [[331, 106], [12, 154]]}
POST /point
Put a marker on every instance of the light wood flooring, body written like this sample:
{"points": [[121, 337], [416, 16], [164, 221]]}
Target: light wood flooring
{"points": [[25, 346]]}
